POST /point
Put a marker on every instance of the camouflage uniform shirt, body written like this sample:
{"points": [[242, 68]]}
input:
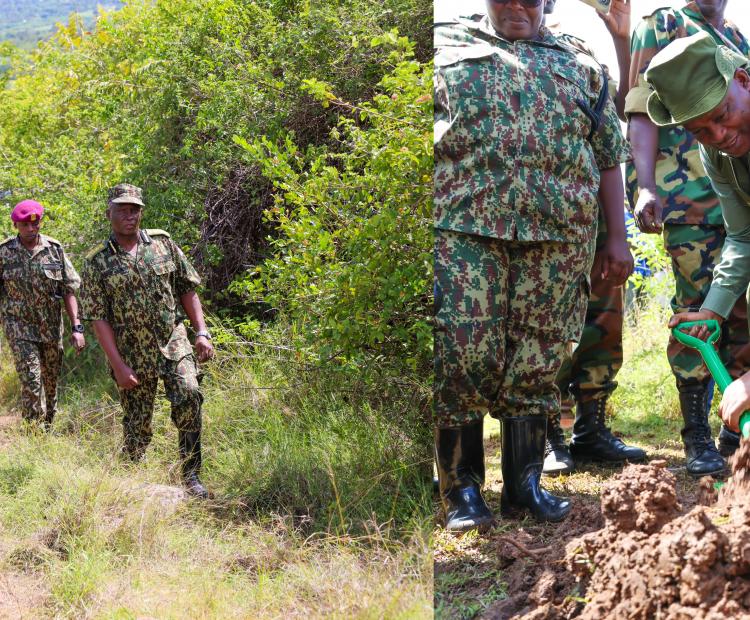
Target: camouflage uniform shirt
{"points": [[685, 190], [139, 296], [512, 156], [33, 285]]}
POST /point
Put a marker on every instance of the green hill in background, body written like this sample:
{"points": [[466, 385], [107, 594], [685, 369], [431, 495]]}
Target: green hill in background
{"points": [[26, 22]]}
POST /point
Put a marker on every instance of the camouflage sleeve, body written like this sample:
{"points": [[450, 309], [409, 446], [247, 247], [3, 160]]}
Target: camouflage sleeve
{"points": [[71, 279], [93, 305], [649, 38], [610, 146], [187, 278]]}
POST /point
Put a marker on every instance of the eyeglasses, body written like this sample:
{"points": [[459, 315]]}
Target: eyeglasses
{"points": [[529, 4]]}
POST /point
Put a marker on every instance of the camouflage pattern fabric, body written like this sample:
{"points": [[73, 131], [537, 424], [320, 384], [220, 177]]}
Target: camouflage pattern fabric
{"points": [[512, 158], [505, 314], [181, 384], [516, 181], [32, 286], [139, 297], [684, 188], [589, 373], [38, 365], [695, 251]]}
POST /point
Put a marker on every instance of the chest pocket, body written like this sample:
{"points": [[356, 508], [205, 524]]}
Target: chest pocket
{"points": [[572, 96], [163, 267], [467, 89], [53, 270]]}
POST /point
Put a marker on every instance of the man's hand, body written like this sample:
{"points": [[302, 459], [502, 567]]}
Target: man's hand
{"points": [[125, 377], [617, 262], [204, 348], [735, 401], [617, 20], [697, 331], [648, 211], [78, 342]]}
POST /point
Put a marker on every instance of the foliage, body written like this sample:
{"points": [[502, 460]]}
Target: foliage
{"points": [[353, 265]]}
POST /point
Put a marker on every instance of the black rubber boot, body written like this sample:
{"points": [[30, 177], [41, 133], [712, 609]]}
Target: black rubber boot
{"points": [[460, 464], [523, 453], [557, 458], [593, 442], [190, 453], [703, 459], [729, 441]]}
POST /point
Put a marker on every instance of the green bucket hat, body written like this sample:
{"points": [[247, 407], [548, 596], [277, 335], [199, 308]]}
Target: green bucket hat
{"points": [[690, 77]]}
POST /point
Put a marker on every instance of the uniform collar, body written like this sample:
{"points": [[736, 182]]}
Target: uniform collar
{"points": [[115, 247], [41, 245]]}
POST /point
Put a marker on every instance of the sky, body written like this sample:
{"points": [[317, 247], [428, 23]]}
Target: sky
{"points": [[580, 20]]}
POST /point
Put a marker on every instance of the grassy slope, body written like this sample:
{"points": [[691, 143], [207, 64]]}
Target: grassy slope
{"points": [[83, 534], [645, 411]]}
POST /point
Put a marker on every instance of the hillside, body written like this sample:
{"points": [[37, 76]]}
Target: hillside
{"points": [[25, 22]]}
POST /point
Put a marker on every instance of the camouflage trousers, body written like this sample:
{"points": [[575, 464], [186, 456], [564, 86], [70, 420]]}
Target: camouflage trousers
{"points": [[589, 373], [505, 314], [695, 250], [181, 385], [38, 365]]}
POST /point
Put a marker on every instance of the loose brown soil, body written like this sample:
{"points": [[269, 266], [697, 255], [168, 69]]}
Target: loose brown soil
{"points": [[654, 545]]}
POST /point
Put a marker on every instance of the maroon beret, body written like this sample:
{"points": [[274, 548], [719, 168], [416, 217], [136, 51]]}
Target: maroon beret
{"points": [[27, 211]]}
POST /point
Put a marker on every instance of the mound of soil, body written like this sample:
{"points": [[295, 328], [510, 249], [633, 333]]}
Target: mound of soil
{"points": [[652, 561]]}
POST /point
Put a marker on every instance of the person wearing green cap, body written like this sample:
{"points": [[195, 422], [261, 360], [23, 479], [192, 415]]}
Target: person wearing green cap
{"points": [[137, 287], [670, 192], [705, 87]]}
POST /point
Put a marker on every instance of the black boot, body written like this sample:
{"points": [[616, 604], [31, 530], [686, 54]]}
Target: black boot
{"points": [[593, 441], [703, 459], [729, 441], [460, 463], [523, 452], [190, 453], [557, 458]]}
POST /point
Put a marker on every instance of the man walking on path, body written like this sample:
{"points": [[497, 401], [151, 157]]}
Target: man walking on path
{"points": [[135, 286], [670, 191], [35, 276]]}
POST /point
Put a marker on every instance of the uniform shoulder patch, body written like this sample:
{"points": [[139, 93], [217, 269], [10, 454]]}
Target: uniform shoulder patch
{"points": [[53, 240], [96, 249], [7, 240], [156, 232]]}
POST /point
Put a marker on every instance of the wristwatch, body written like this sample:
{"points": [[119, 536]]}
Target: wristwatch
{"points": [[78, 329], [204, 333]]}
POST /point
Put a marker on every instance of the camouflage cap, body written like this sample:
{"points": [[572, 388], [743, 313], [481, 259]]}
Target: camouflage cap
{"points": [[124, 193]]}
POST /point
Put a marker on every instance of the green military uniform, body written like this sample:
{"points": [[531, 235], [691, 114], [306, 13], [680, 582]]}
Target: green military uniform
{"points": [[517, 162], [694, 231], [139, 296], [589, 374], [34, 283]]}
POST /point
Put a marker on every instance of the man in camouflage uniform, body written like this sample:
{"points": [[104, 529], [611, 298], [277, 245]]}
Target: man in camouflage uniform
{"points": [[135, 286], [670, 191], [35, 276], [589, 374], [522, 132]]}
